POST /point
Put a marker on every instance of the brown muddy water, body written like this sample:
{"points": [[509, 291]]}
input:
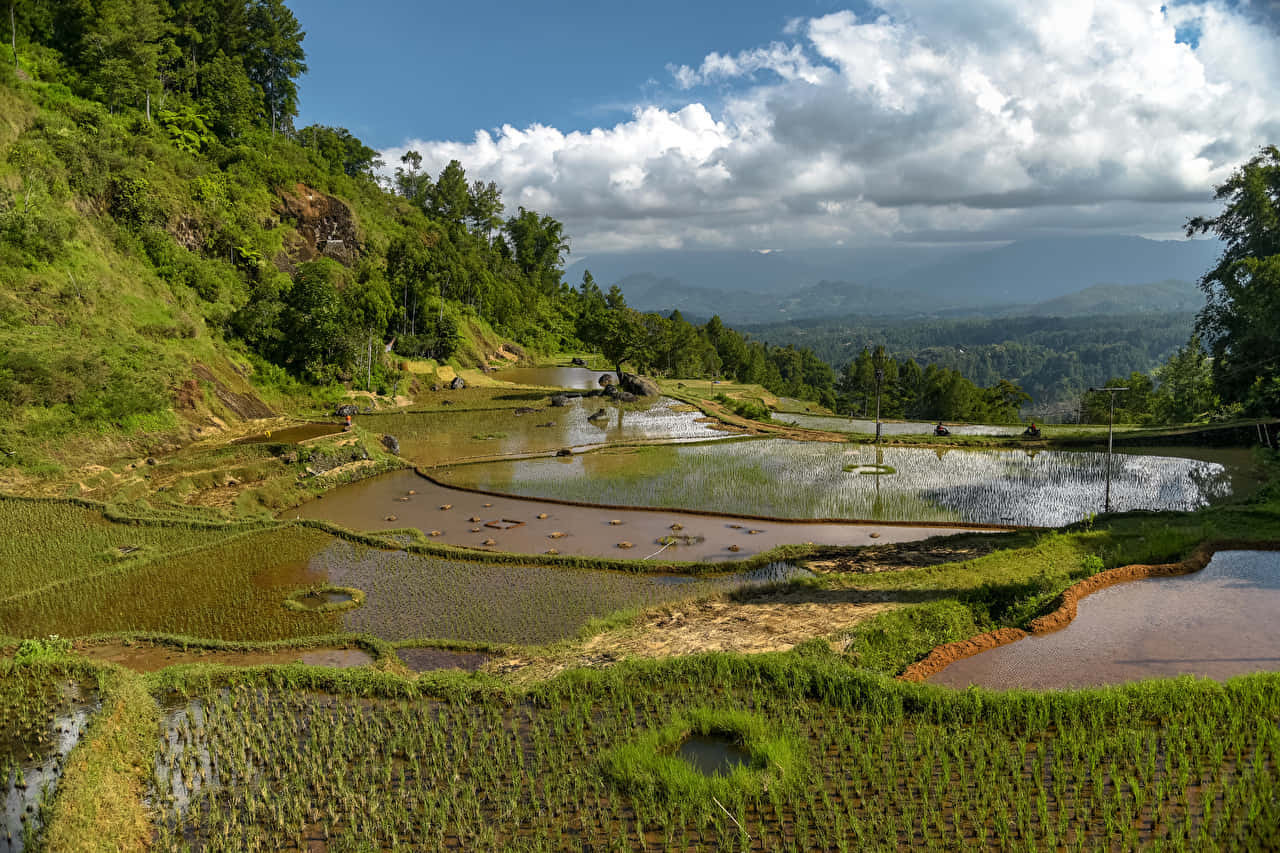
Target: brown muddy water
{"points": [[421, 659], [438, 438], [580, 378], [1221, 621], [415, 597], [713, 755], [292, 435], [144, 657], [385, 502]]}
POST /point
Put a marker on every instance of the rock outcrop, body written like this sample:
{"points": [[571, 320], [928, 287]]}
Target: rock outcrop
{"points": [[641, 386]]}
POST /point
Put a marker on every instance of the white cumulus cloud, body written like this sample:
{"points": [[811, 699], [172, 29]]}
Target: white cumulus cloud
{"points": [[927, 118]]}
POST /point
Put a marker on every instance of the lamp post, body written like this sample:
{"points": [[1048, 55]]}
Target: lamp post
{"points": [[1111, 428]]}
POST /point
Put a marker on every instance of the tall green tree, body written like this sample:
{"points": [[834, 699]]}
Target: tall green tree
{"points": [[1242, 314], [274, 59], [122, 48]]}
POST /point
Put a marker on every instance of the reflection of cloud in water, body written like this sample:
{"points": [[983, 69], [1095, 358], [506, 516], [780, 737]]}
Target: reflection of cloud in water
{"points": [[809, 480]]}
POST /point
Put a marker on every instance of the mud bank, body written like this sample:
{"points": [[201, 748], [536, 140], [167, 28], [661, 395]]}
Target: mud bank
{"points": [[943, 656]]}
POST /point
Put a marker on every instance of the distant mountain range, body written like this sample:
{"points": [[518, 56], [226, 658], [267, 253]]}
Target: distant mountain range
{"points": [[1049, 277]]}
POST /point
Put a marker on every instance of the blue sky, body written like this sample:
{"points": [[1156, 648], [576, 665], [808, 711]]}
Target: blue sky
{"points": [[814, 123], [393, 70]]}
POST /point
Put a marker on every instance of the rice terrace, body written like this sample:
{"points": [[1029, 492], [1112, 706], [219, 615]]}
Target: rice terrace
{"points": [[897, 496]]}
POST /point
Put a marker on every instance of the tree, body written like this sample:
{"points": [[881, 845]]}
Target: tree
{"points": [[344, 153], [450, 200], [1186, 386], [540, 244], [123, 47], [1242, 310], [274, 58]]}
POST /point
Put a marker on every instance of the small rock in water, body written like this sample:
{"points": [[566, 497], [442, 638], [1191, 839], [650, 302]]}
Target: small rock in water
{"points": [[555, 535], [734, 548], [413, 491], [473, 519], [615, 521], [488, 504], [475, 530], [564, 451], [446, 506], [677, 526], [625, 545], [489, 542], [391, 518], [542, 515], [875, 535], [434, 533], [552, 551], [754, 532], [403, 499]]}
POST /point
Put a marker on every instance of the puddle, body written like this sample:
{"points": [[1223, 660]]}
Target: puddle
{"points": [[143, 657], [426, 659], [531, 525], [317, 600], [713, 755], [292, 435], [1215, 623], [183, 765], [39, 775]]}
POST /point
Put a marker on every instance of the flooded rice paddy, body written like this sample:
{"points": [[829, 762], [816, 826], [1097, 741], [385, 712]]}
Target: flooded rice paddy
{"points": [[145, 657], [385, 503], [1221, 621], [293, 435], [424, 659], [305, 771], [832, 423], [792, 479], [37, 731], [580, 378], [411, 596], [435, 438]]}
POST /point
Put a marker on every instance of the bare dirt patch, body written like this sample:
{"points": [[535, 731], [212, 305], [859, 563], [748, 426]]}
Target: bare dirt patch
{"points": [[763, 622]]}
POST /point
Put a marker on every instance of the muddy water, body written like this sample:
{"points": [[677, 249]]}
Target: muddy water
{"points": [[586, 531], [436, 438], [292, 435], [554, 377], [143, 657], [426, 659], [1219, 622], [712, 755]]}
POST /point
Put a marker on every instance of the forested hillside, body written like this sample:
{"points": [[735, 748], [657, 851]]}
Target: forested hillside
{"points": [[174, 254]]}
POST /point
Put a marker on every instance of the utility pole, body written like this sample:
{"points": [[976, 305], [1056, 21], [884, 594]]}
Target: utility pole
{"points": [[879, 363], [1111, 428]]}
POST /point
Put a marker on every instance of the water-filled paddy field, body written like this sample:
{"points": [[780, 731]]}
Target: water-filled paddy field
{"points": [[832, 423], [42, 717], [235, 588], [402, 499], [1217, 623], [580, 378], [436, 438], [791, 479]]}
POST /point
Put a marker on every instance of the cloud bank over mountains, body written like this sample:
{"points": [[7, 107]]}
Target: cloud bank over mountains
{"points": [[925, 121]]}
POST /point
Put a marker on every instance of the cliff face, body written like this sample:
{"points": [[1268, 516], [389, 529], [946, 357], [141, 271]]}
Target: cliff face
{"points": [[324, 226]]}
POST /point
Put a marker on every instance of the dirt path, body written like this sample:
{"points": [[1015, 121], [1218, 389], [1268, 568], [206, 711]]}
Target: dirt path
{"points": [[895, 556], [764, 622]]}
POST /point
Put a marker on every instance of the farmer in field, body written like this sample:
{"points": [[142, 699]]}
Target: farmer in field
{"points": [[347, 428]]}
